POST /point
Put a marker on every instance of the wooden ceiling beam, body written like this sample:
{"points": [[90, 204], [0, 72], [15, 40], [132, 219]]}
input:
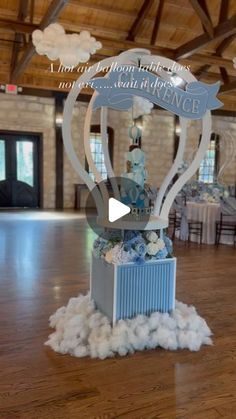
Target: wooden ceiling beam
{"points": [[104, 9], [111, 46], [224, 75], [224, 44], [50, 16], [157, 22], [32, 5], [22, 13], [27, 27], [208, 60], [224, 11], [223, 15], [17, 26], [228, 87], [146, 6], [202, 70], [222, 30], [203, 14]]}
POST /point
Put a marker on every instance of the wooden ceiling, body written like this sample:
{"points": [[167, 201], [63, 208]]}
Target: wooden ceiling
{"points": [[197, 33]]}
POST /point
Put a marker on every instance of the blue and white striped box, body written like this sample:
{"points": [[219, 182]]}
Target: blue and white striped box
{"points": [[125, 290]]}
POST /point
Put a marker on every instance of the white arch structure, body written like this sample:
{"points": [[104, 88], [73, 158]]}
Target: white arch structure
{"points": [[164, 200]]}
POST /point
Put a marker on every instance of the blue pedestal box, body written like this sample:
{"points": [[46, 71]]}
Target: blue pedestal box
{"points": [[125, 290]]}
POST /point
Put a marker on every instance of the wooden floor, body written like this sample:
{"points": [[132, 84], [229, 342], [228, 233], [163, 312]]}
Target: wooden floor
{"points": [[44, 260]]}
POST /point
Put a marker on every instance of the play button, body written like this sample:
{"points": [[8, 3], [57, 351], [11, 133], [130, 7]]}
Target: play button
{"points": [[116, 210]]}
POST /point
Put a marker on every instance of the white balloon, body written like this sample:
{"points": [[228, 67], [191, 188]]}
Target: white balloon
{"points": [[50, 34], [85, 35], [84, 57], [37, 36], [62, 42], [74, 39], [53, 54], [86, 45], [40, 49], [68, 59], [98, 45], [57, 28], [70, 48]]}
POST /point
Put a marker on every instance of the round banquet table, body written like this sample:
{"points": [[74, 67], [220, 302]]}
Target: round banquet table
{"points": [[208, 213]]}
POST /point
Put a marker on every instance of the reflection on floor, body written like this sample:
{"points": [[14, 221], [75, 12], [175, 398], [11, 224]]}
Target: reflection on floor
{"points": [[39, 215], [45, 262]]}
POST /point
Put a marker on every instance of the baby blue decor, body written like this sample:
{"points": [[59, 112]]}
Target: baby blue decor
{"points": [[133, 271], [117, 89], [122, 291], [132, 187]]}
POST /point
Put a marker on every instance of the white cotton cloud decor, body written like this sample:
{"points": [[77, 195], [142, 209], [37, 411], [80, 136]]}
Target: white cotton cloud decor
{"points": [[141, 107], [71, 49], [81, 330]]}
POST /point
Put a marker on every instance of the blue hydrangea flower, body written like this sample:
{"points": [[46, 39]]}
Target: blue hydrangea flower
{"points": [[168, 244], [139, 260], [130, 234], [162, 254], [141, 249]]}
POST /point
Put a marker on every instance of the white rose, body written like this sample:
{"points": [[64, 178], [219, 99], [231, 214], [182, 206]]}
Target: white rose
{"points": [[152, 236], [160, 244], [152, 249]]}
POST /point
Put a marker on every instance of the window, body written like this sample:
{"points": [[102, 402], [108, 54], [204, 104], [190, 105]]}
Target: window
{"points": [[2, 160], [24, 158], [97, 153], [208, 168]]}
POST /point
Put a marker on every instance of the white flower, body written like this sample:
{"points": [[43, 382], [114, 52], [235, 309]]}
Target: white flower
{"points": [[152, 236], [161, 244], [117, 255], [152, 249], [109, 256]]}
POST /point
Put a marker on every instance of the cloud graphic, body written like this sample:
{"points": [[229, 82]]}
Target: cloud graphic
{"points": [[71, 49]]}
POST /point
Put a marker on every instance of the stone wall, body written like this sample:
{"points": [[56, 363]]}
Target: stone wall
{"points": [[36, 115], [32, 114]]}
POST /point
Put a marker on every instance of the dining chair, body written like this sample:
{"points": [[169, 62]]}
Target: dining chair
{"points": [[179, 221], [227, 223]]}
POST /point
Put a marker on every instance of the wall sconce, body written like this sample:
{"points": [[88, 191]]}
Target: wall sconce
{"points": [[59, 119], [177, 129]]}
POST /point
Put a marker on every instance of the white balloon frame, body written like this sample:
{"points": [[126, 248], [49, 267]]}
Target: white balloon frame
{"points": [[159, 219]]}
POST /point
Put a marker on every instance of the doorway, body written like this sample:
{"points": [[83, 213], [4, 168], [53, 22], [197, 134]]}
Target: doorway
{"points": [[19, 170]]}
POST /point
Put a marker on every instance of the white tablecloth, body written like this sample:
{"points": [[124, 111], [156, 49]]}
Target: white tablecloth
{"points": [[207, 213]]}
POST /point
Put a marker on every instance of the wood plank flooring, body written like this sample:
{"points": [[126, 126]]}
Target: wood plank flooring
{"points": [[44, 260]]}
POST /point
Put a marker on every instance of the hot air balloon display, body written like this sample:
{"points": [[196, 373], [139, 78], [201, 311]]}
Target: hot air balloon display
{"points": [[123, 288]]}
